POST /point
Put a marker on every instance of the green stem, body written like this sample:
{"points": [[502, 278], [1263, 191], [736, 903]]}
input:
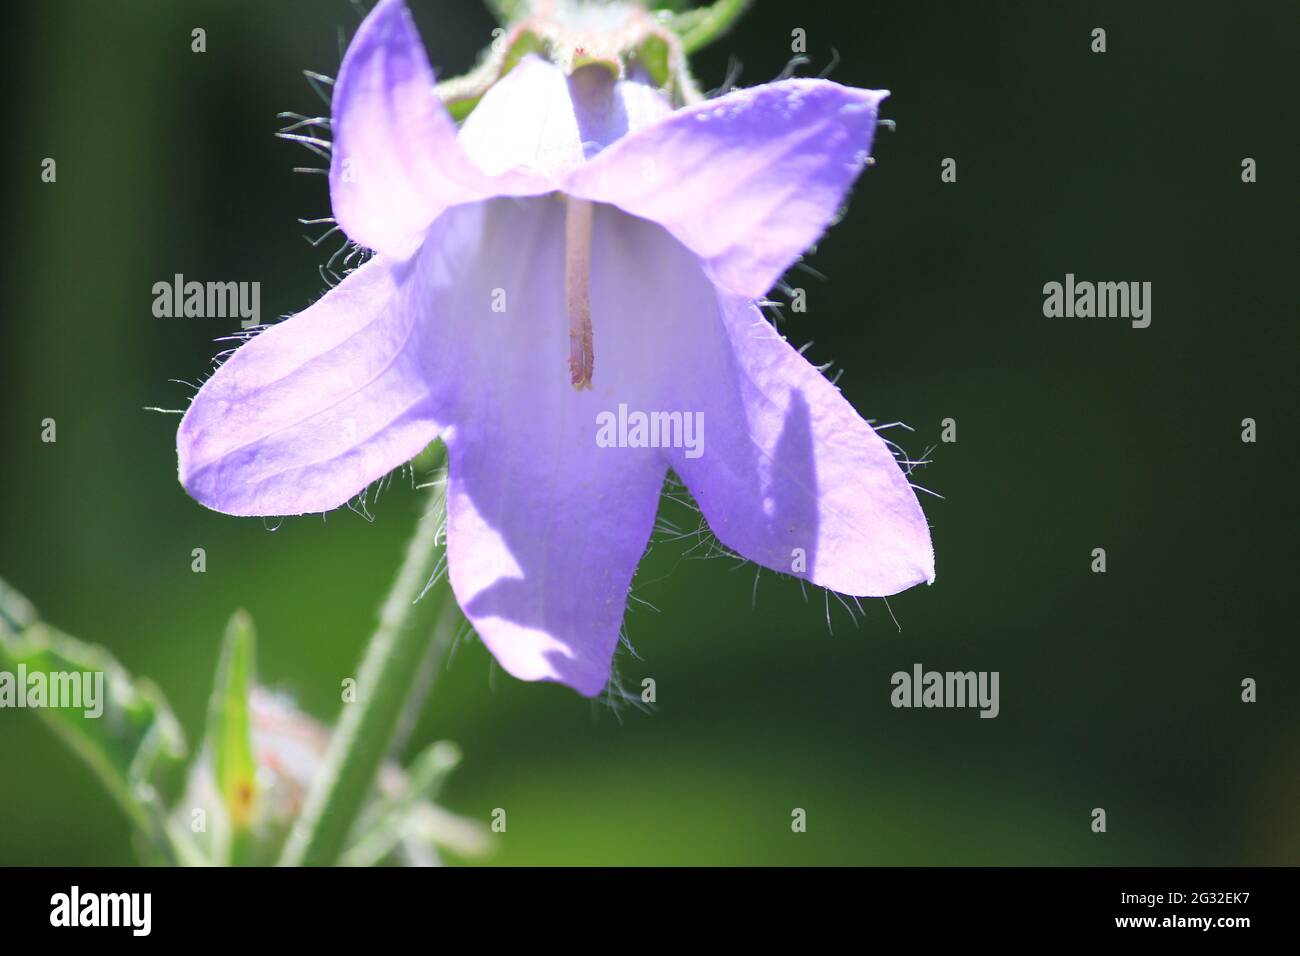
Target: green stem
{"points": [[388, 672], [702, 25], [450, 619]]}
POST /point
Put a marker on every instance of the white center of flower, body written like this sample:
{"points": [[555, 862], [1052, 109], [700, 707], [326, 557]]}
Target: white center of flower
{"points": [[577, 289]]}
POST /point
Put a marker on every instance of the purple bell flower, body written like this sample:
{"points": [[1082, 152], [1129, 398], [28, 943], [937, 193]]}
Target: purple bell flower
{"points": [[575, 249]]}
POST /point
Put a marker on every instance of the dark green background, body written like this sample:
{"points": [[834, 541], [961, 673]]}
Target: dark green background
{"points": [[1118, 690]]}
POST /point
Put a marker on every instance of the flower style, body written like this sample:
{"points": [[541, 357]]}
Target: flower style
{"points": [[575, 246]]}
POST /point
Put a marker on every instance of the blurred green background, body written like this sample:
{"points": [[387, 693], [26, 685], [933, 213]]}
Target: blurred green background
{"points": [[1118, 690]]}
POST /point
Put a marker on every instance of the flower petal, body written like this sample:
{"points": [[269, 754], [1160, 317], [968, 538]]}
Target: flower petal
{"points": [[791, 476], [748, 181], [546, 527], [396, 163], [539, 119], [309, 412]]}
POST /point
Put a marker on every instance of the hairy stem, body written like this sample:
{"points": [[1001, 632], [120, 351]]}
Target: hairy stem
{"points": [[388, 672]]}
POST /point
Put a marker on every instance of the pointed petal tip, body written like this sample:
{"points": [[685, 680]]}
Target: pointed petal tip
{"points": [[529, 654], [747, 181], [589, 687], [306, 414]]}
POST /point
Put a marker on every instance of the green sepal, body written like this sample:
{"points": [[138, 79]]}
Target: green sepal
{"points": [[393, 819], [228, 743]]}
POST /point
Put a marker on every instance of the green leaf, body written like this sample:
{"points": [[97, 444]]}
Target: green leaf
{"points": [[229, 740], [121, 726]]}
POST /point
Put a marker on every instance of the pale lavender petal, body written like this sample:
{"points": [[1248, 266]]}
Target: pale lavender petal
{"points": [[536, 118], [546, 527], [312, 410], [543, 539], [396, 163], [791, 476], [748, 181]]}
